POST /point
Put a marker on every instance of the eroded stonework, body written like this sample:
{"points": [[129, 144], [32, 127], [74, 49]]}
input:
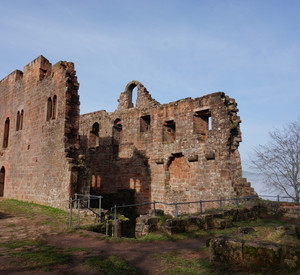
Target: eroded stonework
{"points": [[186, 150], [182, 151], [39, 122]]}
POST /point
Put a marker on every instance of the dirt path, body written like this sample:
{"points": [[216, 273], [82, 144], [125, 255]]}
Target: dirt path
{"points": [[81, 245], [140, 254]]}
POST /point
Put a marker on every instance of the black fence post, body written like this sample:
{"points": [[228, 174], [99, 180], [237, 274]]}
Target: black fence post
{"points": [[78, 218], [75, 206], [201, 206], [154, 210], [70, 215], [99, 209], [115, 221]]}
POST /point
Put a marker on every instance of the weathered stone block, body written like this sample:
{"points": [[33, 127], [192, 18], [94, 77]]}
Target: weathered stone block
{"points": [[146, 224], [292, 257], [261, 252], [174, 226], [221, 223], [194, 223], [222, 249], [208, 221]]}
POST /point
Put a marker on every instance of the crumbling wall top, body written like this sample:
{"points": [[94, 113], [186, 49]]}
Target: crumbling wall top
{"points": [[144, 99]]}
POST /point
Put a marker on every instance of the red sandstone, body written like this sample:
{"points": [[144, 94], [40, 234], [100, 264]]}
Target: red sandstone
{"points": [[182, 151]]}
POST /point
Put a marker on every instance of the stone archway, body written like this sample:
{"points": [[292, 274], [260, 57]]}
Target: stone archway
{"points": [[2, 179], [130, 89]]}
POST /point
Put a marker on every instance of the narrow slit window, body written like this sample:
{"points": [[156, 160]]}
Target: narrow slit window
{"points": [[49, 108], [98, 182], [54, 107], [21, 119], [18, 121], [6, 133], [2, 179], [93, 182], [116, 137]]}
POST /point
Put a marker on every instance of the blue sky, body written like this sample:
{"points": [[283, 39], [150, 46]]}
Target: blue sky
{"points": [[177, 49]]}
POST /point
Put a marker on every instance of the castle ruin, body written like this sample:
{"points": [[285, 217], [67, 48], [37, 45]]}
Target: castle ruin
{"points": [[181, 151]]}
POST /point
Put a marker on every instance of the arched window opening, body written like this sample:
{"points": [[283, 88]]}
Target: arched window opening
{"points": [[54, 107], [118, 123], [95, 128], [94, 135], [21, 120], [18, 121], [6, 133], [116, 136], [131, 90], [134, 96], [2, 179], [49, 109]]}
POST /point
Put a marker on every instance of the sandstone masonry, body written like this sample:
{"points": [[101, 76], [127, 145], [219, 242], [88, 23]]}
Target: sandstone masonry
{"points": [[186, 150], [182, 151], [39, 122]]}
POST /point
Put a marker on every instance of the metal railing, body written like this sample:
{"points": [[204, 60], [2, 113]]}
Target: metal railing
{"points": [[277, 198], [220, 201], [84, 198]]}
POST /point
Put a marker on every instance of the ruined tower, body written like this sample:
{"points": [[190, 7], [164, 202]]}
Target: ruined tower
{"points": [[39, 122]]}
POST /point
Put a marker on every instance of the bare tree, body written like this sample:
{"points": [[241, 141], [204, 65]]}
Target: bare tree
{"points": [[279, 160]]}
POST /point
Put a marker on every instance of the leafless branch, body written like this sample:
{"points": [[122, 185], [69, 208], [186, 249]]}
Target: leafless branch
{"points": [[279, 160]]}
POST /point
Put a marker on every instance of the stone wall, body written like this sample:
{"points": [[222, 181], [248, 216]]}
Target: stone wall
{"points": [[235, 251], [182, 151], [39, 122]]}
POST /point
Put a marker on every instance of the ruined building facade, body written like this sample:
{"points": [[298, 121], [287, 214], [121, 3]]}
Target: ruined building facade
{"points": [[182, 151]]}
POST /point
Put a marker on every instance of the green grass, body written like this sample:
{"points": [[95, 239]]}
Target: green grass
{"points": [[16, 207], [174, 263], [264, 226], [41, 214], [78, 249], [157, 237], [36, 254], [111, 265]]}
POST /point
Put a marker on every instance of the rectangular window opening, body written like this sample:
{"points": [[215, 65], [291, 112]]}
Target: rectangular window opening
{"points": [[202, 123], [169, 131], [145, 123]]}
